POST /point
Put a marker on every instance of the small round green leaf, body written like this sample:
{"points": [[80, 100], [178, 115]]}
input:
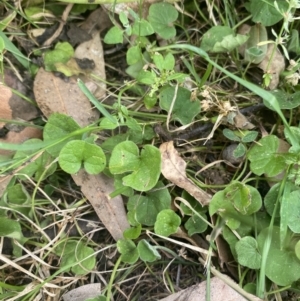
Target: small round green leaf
{"points": [[144, 168], [142, 28], [62, 52], [59, 126], [114, 36], [161, 17], [128, 250], [78, 152], [265, 157], [167, 222], [76, 255], [264, 12], [282, 266], [195, 224], [287, 101], [147, 252], [239, 151], [184, 108], [247, 253], [133, 55], [231, 135]]}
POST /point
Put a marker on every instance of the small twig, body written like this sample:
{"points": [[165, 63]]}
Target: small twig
{"points": [[61, 25]]}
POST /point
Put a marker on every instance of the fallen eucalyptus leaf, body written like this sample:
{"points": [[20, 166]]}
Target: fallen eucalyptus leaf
{"points": [[173, 169], [111, 212], [220, 291], [83, 293]]}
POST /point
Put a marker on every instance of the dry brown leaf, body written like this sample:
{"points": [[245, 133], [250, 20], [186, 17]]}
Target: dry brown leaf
{"points": [[241, 122], [54, 94], [20, 137], [173, 169], [220, 291], [275, 68], [93, 50], [83, 292], [111, 212]]}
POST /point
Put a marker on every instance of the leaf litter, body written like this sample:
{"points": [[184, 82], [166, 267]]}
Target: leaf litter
{"points": [[61, 94]]}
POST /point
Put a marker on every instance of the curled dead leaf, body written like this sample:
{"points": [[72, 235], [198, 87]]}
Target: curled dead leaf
{"points": [[173, 169]]}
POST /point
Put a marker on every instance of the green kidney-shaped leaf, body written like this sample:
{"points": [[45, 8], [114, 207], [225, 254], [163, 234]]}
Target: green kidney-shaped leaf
{"points": [[293, 208], [264, 12], [161, 17], [114, 36], [286, 100], [10, 228], [77, 256], [147, 252], [184, 109], [270, 200], [146, 77], [282, 266], [144, 168], [133, 55], [128, 250], [266, 158], [167, 222], [147, 207], [247, 254], [59, 126], [228, 43], [245, 198], [195, 224], [62, 52], [142, 28], [215, 35], [78, 152]]}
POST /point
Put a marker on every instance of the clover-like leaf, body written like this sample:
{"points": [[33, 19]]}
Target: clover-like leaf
{"points": [[245, 198], [142, 28], [144, 167], [265, 157], [128, 250], [167, 222], [133, 55], [161, 17], [282, 266], [59, 126], [114, 36], [195, 224], [78, 152], [184, 109], [77, 256], [247, 253], [147, 252], [264, 12], [215, 35], [62, 52], [228, 43], [147, 207], [287, 100]]}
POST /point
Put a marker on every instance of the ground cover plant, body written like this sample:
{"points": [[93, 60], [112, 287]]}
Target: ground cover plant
{"points": [[148, 147]]}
